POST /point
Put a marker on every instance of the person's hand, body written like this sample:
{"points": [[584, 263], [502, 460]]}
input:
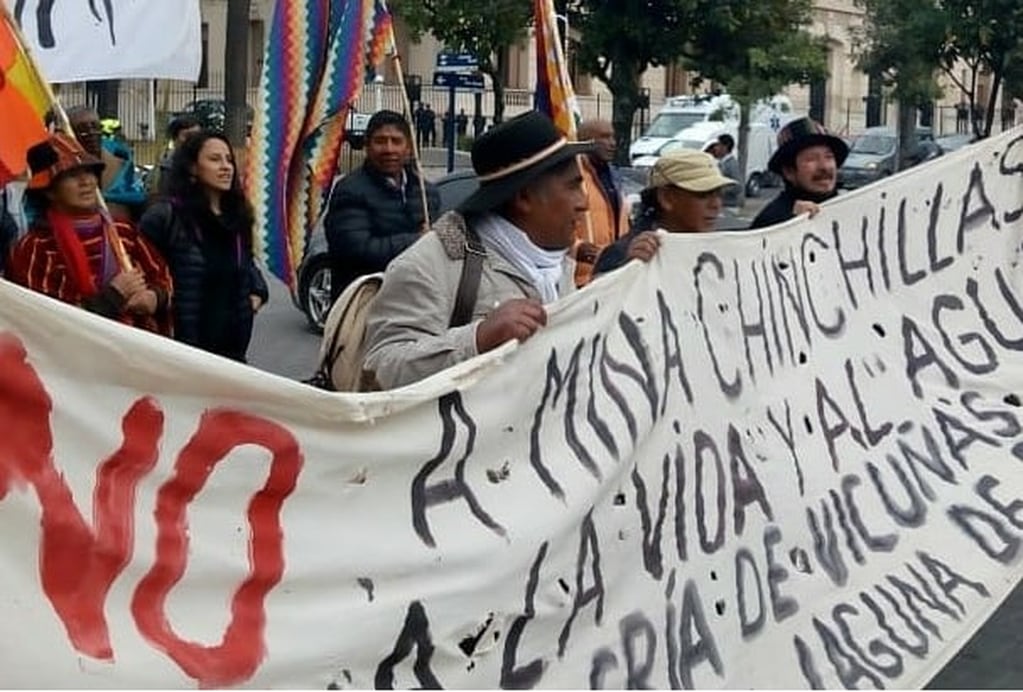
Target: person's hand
{"points": [[128, 283], [803, 206], [518, 318], [587, 253], [256, 302], [644, 246], [142, 302]]}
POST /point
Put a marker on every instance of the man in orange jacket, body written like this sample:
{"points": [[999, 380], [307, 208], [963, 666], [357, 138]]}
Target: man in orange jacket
{"points": [[608, 217]]}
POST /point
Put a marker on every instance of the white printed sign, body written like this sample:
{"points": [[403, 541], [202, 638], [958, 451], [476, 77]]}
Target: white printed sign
{"points": [[785, 458], [112, 39]]}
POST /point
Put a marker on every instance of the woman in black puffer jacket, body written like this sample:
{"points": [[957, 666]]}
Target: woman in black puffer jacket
{"points": [[204, 230]]}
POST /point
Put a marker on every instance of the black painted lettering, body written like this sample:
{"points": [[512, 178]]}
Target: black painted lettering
{"points": [[652, 530], [598, 424], [782, 606], [637, 631], [996, 540], [732, 389], [932, 460], [979, 365], [749, 328], [697, 641], [806, 665], [514, 677], [425, 496], [704, 445], [848, 667], [972, 217], [588, 559], [745, 569], [414, 633], [908, 277], [1011, 153], [838, 326], [843, 523], [913, 515], [877, 543], [1011, 302], [825, 545], [919, 355], [874, 434], [883, 657], [920, 648], [603, 661], [794, 293], [948, 580], [1012, 511], [672, 353], [858, 264], [789, 438], [746, 487], [937, 264], [1010, 424], [834, 429], [959, 436]]}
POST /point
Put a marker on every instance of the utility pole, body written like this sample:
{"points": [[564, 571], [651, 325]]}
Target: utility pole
{"points": [[236, 67]]}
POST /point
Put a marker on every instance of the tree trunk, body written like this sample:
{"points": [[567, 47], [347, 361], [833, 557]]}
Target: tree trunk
{"points": [[236, 79], [745, 108], [989, 117], [497, 77], [624, 87], [907, 131]]}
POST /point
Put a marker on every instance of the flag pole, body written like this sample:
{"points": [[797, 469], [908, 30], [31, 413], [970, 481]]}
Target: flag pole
{"points": [[407, 106], [65, 125]]}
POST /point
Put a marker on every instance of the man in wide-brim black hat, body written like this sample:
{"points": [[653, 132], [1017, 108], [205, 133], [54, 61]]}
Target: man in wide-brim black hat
{"points": [[482, 275], [807, 158]]}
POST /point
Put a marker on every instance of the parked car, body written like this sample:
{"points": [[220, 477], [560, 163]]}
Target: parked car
{"points": [[873, 155], [313, 294], [950, 143]]}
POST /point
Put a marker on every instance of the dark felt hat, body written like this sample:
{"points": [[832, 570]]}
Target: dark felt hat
{"points": [[58, 154], [509, 155], [799, 134]]}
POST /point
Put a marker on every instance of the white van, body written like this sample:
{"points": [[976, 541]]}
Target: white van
{"points": [[761, 145], [683, 112]]}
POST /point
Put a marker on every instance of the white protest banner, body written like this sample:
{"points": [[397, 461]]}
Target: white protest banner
{"points": [[114, 39], [785, 458]]}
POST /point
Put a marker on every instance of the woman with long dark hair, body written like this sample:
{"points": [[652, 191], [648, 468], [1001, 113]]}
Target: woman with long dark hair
{"points": [[204, 230]]}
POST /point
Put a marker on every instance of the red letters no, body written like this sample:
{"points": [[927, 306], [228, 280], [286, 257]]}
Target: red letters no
{"points": [[241, 651], [77, 564]]}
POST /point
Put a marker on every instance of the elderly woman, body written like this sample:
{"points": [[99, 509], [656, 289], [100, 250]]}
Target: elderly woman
{"points": [[204, 229], [76, 253], [683, 196]]}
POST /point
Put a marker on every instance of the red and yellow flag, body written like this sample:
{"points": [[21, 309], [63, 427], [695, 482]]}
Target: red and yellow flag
{"points": [[24, 101]]}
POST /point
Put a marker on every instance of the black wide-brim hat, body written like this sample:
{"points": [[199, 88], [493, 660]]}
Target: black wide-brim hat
{"points": [[509, 155], [800, 134]]}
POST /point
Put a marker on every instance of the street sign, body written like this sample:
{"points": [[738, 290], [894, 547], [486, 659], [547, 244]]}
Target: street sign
{"points": [[456, 62], [458, 80]]}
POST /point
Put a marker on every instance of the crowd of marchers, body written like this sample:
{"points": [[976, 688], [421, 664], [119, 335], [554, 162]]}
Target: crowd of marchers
{"points": [[547, 217]]}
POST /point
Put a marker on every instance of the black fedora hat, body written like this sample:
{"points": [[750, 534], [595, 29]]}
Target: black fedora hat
{"points": [[509, 155], [799, 134]]}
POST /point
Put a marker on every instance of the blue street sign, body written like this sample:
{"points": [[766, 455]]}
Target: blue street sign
{"points": [[456, 62], [458, 80]]}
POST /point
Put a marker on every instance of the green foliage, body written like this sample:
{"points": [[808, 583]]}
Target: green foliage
{"points": [[485, 28], [621, 39], [756, 47]]}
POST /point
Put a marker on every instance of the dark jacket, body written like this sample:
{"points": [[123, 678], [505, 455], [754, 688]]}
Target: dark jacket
{"points": [[370, 222], [617, 253], [8, 230], [182, 245], [780, 208]]}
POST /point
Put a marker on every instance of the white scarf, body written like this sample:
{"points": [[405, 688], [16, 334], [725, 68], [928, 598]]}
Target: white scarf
{"points": [[543, 268]]}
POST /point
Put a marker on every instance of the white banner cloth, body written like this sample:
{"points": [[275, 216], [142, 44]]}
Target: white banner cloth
{"points": [[769, 459], [112, 39]]}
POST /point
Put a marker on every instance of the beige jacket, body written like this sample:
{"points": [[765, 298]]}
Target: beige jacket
{"points": [[407, 333]]}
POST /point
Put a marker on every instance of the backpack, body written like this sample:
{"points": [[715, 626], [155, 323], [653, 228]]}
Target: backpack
{"points": [[343, 348]]}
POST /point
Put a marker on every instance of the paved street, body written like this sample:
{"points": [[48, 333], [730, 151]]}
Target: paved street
{"points": [[283, 344]]}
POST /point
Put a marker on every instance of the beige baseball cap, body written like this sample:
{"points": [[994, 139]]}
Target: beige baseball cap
{"points": [[690, 170]]}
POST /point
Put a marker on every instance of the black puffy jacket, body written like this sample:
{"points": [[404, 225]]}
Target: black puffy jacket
{"points": [[370, 222], [167, 227]]}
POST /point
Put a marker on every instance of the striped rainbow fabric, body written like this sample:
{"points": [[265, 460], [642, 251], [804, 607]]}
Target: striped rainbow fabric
{"points": [[313, 71], [554, 93]]}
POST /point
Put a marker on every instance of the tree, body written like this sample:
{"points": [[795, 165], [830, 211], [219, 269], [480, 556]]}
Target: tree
{"points": [[901, 40], [755, 48], [237, 73], [620, 40], [985, 36], [485, 28]]}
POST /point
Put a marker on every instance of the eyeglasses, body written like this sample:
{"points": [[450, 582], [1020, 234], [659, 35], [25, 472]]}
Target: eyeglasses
{"points": [[88, 129]]}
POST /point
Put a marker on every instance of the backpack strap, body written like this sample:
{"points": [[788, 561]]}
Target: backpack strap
{"points": [[469, 282]]}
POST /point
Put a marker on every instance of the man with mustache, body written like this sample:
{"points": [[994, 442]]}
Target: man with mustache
{"points": [[808, 159], [377, 211]]}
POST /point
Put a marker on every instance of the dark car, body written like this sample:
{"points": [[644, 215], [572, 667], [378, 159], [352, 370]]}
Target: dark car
{"points": [[873, 155], [212, 113]]}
